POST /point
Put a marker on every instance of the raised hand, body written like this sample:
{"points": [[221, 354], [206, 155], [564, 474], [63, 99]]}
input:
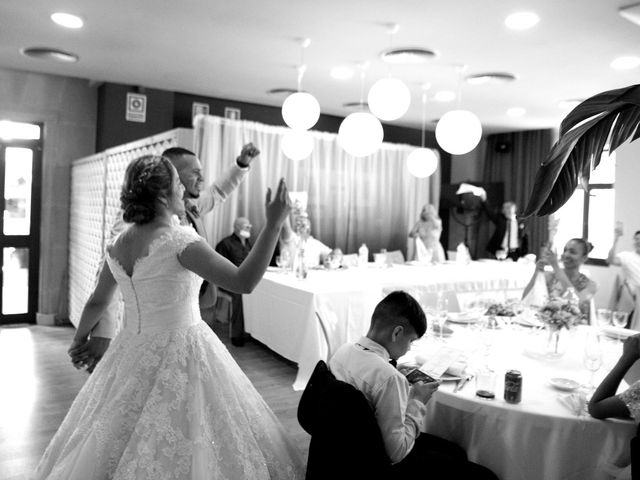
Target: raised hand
{"points": [[278, 209], [618, 231], [247, 154]]}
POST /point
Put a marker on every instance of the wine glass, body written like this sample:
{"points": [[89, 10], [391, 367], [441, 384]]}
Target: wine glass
{"points": [[440, 317], [592, 358], [282, 260], [603, 317], [619, 320]]}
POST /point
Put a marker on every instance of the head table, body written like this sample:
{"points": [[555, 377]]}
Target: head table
{"points": [[540, 437], [307, 320]]}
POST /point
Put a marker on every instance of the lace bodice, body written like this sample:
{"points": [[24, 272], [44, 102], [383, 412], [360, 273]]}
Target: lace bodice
{"points": [[160, 294]]}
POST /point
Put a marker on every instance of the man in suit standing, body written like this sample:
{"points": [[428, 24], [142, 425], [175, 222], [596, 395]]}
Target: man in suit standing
{"points": [[509, 236], [236, 247], [198, 201]]}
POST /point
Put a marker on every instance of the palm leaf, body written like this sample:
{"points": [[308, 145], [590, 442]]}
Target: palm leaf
{"points": [[613, 115]]}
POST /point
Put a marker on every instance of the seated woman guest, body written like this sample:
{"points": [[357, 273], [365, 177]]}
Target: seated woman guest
{"points": [[424, 238], [604, 402], [575, 253]]}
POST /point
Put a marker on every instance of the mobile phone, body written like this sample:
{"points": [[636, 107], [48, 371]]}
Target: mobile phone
{"points": [[416, 375]]}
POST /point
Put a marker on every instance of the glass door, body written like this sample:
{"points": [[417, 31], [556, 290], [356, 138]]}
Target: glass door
{"points": [[20, 166]]}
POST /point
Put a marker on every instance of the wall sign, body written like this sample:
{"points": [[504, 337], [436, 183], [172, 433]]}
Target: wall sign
{"points": [[136, 107]]}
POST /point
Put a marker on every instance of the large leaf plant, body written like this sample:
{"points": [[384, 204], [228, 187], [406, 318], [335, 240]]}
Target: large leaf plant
{"points": [[609, 117]]}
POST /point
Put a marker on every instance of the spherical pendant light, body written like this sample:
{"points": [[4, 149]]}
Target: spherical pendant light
{"points": [[458, 132], [360, 134], [301, 110], [422, 162], [297, 144], [389, 98]]}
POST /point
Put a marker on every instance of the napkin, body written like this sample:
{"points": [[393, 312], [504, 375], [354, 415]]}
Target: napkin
{"points": [[457, 369], [575, 402]]}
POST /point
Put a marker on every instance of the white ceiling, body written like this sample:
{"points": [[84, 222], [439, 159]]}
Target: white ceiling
{"points": [[239, 49]]}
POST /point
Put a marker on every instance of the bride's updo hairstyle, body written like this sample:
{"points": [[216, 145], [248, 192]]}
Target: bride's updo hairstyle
{"points": [[146, 179]]}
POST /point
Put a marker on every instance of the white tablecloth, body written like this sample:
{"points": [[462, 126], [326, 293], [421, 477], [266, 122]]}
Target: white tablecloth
{"points": [[538, 438], [307, 320]]}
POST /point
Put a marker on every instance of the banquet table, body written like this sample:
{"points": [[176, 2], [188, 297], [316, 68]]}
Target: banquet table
{"points": [[307, 320], [540, 437]]}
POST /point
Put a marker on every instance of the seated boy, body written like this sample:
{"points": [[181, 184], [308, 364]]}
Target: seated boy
{"points": [[400, 407]]}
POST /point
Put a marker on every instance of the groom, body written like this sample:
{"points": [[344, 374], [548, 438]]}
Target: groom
{"points": [[198, 202]]}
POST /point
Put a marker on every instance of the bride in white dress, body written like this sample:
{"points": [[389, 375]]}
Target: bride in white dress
{"points": [[168, 401]]}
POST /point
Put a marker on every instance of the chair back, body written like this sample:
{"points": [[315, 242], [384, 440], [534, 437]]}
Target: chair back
{"points": [[346, 442], [635, 456]]}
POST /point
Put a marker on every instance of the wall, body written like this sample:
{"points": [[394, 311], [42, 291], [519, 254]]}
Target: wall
{"points": [[67, 107], [469, 166]]}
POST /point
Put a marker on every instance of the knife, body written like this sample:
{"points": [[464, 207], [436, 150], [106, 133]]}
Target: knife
{"points": [[462, 383]]}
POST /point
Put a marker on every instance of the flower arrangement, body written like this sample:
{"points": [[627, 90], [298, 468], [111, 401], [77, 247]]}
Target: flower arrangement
{"points": [[560, 313]]}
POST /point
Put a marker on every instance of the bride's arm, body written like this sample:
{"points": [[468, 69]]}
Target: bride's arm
{"points": [[96, 305], [203, 260]]}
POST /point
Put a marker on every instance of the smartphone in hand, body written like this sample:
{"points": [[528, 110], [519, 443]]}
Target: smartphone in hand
{"points": [[416, 375]]}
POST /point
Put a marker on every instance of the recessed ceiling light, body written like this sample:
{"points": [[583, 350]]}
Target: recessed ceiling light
{"points": [[341, 73], [480, 78], [625, 63], [67, 20], [569, 104], [281, 91], [444, 96], [407, 55], [521, 20], [516, 112], [45, 53]]}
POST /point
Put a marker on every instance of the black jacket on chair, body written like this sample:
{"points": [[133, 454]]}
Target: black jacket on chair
{"points": [[346, 442]]}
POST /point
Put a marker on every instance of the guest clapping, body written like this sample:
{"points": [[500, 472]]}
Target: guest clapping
{"points": [[561, 279], [604, 402]]}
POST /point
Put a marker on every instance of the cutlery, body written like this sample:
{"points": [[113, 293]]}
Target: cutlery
{"points": [[462, 383]]}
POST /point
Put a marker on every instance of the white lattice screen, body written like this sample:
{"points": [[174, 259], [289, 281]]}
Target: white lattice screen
{"points": [[95, 203]]}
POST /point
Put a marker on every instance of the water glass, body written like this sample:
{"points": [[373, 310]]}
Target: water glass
{"points": [[603, 317], [486, 383], [620, 320]]}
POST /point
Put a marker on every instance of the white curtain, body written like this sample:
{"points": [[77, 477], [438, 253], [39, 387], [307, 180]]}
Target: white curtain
{"points": [[372, 200]]}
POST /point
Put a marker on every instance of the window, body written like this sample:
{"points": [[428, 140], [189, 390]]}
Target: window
{"points": [[591, 215]]}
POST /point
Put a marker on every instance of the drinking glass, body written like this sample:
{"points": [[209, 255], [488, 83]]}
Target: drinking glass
{"points": [[486, 383], [442, 308], [619, 320], [603, 317], [282, 260], [592, 358]]}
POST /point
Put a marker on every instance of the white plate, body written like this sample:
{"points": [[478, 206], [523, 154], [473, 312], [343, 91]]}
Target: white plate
{"points": [[525, 322], [463, 317], [564, 384], [617, 332]]}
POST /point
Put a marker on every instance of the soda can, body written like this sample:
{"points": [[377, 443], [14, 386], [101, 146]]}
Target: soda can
{"points": [[513, 386]]}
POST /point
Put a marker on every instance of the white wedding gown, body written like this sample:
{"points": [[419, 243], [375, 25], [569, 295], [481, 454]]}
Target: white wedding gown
{"points": [[168, 401]]}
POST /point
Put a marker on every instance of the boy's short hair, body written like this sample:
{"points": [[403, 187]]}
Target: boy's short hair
{"points": [[396, 305]]}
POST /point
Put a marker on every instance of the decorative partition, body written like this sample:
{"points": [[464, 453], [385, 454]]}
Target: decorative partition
{"points": [[95, 203]]}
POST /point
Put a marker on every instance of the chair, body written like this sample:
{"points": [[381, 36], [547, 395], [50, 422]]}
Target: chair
{"points": [[223, 309], [346, 442], [635, 456]]}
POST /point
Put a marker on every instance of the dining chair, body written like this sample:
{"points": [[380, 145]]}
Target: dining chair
{"points": [[346, 442]]}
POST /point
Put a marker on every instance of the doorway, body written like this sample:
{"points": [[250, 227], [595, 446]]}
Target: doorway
{"points": [[20, 185]]}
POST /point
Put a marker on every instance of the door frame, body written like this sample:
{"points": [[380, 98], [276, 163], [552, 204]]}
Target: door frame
{"points": [[31, 241]]}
